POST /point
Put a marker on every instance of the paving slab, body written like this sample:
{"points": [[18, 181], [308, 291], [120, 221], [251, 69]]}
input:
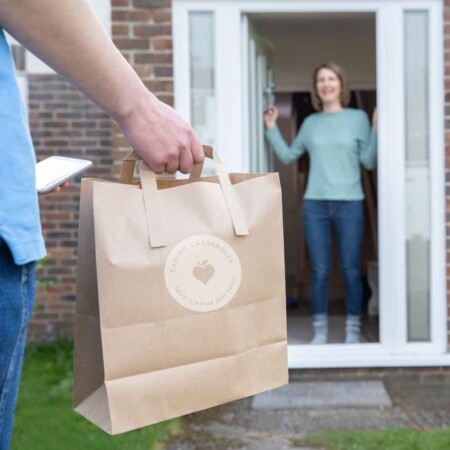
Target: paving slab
{"points": [[322, 394], [428, 406], [291, 422]]}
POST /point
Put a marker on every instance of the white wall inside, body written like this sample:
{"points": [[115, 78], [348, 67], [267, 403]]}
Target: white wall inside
{"points": [[300, 42]]}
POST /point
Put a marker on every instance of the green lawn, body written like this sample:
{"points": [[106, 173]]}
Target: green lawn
{"points": [[393, 439], [44, 417]]}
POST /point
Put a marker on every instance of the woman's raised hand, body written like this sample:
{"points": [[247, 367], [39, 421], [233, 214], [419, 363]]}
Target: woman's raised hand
{"points": [[271, 116]]}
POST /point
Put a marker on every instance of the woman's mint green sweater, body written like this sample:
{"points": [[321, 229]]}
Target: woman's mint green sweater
{"points": [[337, 143]]}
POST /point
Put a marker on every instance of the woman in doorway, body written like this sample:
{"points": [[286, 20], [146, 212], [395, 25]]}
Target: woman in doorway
{"points": [[338, 140]]}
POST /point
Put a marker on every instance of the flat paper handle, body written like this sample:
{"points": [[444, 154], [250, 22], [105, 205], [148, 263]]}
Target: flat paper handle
{"points": [[153, 208], [129, 165], [198, 168], [236, 212]]}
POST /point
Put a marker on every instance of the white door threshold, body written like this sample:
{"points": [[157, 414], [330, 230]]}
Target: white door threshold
{"points": [[334, 360]]}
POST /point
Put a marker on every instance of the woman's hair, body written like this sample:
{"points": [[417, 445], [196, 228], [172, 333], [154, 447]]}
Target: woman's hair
{"points": [[342, 76]]}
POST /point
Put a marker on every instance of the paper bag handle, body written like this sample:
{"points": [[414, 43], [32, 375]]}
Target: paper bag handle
{"points": [[153, 208], [129, 165], [198, 168]]}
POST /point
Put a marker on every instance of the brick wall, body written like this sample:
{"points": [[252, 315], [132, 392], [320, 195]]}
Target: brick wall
{"points": [[142, 30], [63, 122]]}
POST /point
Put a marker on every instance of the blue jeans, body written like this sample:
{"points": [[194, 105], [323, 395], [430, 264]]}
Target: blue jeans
{"points": [[347, 219], [17, 291]]}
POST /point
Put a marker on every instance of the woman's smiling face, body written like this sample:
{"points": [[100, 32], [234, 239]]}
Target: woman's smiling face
{"points": [[328, 86]]}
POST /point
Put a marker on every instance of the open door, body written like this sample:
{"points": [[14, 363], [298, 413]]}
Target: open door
{"points": [[260, 90]]}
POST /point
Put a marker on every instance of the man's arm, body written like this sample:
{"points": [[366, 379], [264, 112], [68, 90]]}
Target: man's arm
{"points": [[67, 35]]}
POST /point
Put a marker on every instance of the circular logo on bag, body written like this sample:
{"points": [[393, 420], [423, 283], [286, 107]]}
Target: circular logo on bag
{"points": [[203, 273]]}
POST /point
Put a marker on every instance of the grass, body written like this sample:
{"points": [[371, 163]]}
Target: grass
{"points": [[44, 416], [392, 439]]}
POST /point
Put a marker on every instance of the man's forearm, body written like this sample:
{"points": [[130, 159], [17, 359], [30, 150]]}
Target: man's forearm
{"points": [[67, 35]]}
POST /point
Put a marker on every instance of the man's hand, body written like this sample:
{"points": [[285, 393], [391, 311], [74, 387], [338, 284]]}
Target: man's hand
{"points": [[161, 137], [64, 185]]}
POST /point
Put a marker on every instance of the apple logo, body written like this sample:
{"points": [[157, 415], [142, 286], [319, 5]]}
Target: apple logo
{"points": [[203, 272]]}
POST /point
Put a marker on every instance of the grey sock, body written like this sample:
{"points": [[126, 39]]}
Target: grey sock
{"points": [[353, 330], [320, 325]]}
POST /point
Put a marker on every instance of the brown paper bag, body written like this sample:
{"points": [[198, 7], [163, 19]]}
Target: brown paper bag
{"points": [[180, 295]]}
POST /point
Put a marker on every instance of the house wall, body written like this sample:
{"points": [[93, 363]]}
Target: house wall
{"points": [[65, 123], [142, 30]]}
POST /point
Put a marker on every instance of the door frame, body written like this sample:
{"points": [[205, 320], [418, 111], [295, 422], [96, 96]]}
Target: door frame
{"points": [[232, 141], [254, 61]]}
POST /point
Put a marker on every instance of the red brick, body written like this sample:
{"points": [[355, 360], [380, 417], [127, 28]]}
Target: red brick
{"points": [[132, 44], [152, 30], [162, 43], [40, 115], [163, 71], [162, 15], [153, 58], [39, 96], [151, 3], [159, 85], [120, 30], [52, 124], [130, 16]]}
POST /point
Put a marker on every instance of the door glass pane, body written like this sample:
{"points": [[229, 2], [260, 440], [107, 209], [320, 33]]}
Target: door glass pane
{"points": [[202, 74], [417, 171], [253, 105], [259, 80]]}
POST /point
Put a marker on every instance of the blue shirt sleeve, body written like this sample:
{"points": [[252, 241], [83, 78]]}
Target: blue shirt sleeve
{"points": [[19, 210]]}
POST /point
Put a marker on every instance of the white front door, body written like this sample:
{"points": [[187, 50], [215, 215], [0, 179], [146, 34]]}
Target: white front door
{"points": [[409, 72], [259, 81]]}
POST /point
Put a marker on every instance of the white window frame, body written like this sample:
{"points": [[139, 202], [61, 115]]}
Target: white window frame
{"points": [[232, 144]]}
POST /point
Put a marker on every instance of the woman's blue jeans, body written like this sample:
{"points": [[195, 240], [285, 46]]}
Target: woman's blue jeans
{"points": [[347, 219], [17, 291]]}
